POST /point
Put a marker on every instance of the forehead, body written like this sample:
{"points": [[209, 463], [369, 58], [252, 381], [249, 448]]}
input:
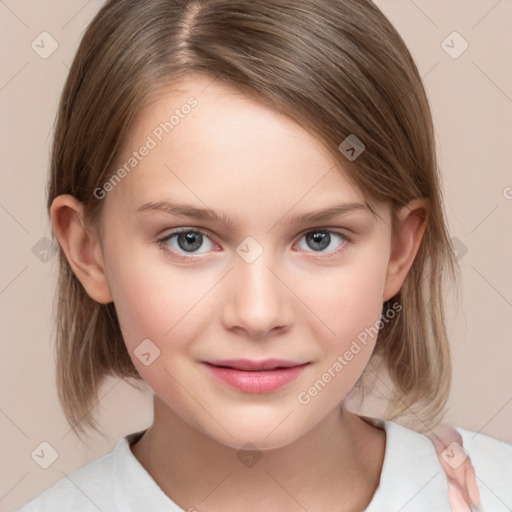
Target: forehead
{"points": [[206, 143]]}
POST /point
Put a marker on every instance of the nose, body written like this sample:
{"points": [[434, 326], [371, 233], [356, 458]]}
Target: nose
{"points": [[257, 302]]}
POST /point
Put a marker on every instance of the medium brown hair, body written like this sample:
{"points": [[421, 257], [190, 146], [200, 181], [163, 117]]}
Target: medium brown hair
{"points": [[337, 67]]}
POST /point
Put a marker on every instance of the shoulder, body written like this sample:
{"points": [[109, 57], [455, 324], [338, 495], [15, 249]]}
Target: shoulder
{"points": [[116, 481], [492, 460], [81, 490], [413, 479]]}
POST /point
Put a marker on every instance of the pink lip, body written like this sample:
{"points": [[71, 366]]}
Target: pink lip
{"points": [[255, 376]]}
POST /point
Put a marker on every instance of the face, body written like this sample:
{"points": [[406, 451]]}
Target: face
{"points": [[251, 325]]}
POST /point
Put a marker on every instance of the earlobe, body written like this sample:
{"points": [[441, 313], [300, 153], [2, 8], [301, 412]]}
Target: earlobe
{"points": [[81, 245], [411, 222]]}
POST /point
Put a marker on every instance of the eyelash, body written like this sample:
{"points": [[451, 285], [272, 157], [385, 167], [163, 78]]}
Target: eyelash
{"points": [[162, 243]]}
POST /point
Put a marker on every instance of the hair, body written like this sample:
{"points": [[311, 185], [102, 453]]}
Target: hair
{"points": [[336, 67]]}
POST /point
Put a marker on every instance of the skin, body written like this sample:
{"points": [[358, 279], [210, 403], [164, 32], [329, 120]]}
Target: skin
{"points": [[238, 157]]}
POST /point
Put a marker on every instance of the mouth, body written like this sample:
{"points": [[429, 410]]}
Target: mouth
{"points": [[255, 376]]}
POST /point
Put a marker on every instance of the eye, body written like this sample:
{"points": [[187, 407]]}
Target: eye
{"points": [[183, 243], [321, 239], [186, 243]]}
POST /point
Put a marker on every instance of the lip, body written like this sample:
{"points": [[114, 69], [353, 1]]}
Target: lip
{"points": [[255, 376]]}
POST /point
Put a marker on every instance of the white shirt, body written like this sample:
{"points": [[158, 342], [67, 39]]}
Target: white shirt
{"points": [[412, 479]]}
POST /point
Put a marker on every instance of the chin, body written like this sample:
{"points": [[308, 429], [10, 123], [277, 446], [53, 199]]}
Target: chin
{"points": [[267, 432], [251, 440]]}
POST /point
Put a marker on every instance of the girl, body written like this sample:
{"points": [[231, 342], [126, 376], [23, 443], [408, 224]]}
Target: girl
{"points": [[249, 215]]}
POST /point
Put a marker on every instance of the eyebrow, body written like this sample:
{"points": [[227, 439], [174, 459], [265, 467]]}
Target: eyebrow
{"points": [[205, 214]]}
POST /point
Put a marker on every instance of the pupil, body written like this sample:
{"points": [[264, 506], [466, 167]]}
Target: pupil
{"points": [[193, 240], [320, 238]]}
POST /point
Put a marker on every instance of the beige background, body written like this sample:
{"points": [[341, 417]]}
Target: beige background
{"points": [[471, 97]]}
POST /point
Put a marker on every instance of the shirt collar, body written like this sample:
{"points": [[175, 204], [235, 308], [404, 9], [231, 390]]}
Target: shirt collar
{"points": [[411, 469]]}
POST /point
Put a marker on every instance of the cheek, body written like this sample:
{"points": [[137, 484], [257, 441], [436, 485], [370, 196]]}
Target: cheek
{"points": [[349, 309], [155, 301], [160, 317], [352, 300]]}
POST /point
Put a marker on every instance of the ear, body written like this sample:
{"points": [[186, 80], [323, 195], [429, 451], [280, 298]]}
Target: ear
{"points": [[411, 222], [81, 245]]}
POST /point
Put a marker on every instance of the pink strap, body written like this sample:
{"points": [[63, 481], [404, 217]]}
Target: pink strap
{"points": [[462, 487]]}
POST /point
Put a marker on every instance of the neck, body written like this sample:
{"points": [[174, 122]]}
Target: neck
{"points": [[334, 466]]}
